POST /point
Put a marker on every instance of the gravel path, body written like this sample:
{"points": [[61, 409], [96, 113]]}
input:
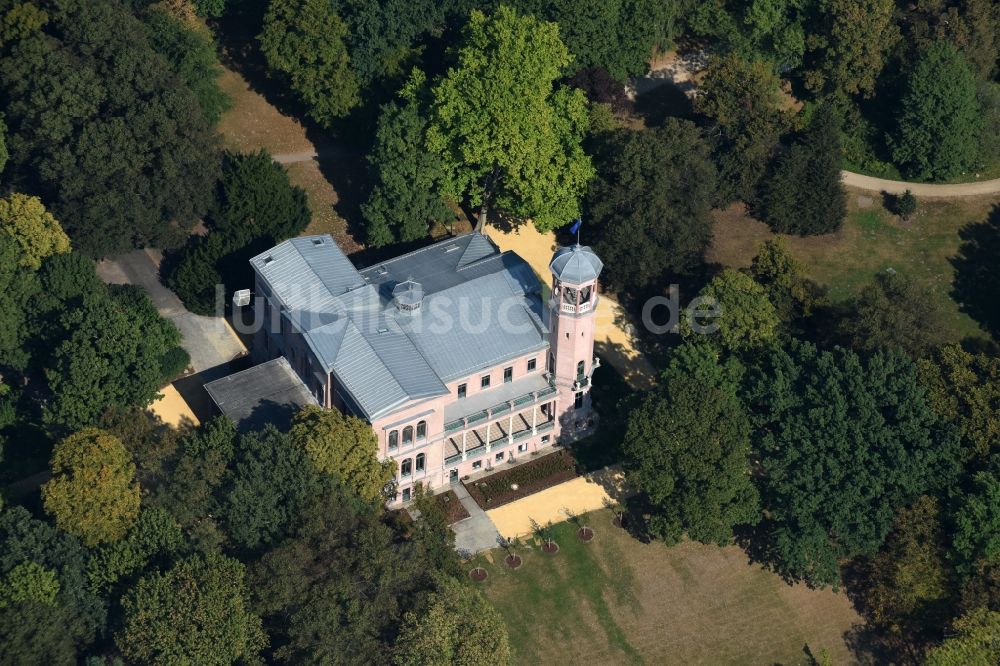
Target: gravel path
{"points": [[929, 190]]}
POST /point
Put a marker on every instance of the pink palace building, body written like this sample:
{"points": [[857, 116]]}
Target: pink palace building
{"points": [[452, 352]]}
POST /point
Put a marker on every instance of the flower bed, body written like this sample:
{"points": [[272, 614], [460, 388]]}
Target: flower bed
{"points": [[496, 490], [452, 507]]}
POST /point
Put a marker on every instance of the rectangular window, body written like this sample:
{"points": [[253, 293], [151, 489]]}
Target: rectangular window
{"points": [[406, 494], [532, 363], [545, 439], [498, 457], [508, 375], [461, 391], [578, 400], [477, 465], [521, 448], [484, 381]]}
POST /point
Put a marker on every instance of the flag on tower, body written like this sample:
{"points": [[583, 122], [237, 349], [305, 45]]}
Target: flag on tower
{"points": [[575, 229]]}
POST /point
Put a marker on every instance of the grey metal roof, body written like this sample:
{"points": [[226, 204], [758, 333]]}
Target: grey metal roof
{"points": [[576, 264], [270, 392], [384, 357]]}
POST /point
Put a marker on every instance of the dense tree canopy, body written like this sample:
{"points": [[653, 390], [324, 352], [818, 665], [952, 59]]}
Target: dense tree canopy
{"points": [[964, 389], [267, 487], [688, 450], [256, 208], [618, 35], [452, 625], [190, 51], [804, 194], [977, 520], [911, 579], [508, 134], [892, 312], [851, 46], [743, 98], [344, 446], [123, 155], [196, 612], [79, 613], [938, 116], [732, 314], [843, 443], [976, 640], [409, 180], [111, 355], [19, 289], [93, 494], [303, 41], [650, 203]]}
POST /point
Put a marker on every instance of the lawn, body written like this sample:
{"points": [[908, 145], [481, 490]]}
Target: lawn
{"points": [[616, 600], [871, 241]]}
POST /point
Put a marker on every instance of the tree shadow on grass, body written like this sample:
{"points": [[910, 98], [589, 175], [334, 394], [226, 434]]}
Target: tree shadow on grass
{"points": [[666, 101], [977, 276]]}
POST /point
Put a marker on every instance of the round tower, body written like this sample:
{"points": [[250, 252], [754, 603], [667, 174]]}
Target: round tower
{"points": [[572, 314]]}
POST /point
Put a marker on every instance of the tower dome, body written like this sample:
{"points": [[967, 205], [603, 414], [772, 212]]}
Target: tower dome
{"points": [[576, 264]]}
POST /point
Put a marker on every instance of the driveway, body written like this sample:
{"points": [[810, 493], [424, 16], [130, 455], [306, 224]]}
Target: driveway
{"points": [[209, 340]]}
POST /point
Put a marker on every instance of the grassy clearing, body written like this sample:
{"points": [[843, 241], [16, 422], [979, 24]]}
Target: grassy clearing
{"points": [[872, 240], [253, 123], [619, 601]]}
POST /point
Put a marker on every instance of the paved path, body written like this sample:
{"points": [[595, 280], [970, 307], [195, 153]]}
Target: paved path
{"points": [[929, 190], [209, 340], [475, 533]]}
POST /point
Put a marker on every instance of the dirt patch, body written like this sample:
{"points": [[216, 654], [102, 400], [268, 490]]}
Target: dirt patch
{"points": [[504, 487], [478, 574], [550, 547], [585, 534], [451, 507], [513, 561]]}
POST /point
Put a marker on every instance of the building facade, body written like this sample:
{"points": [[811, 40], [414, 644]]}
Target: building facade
{"points": [[456, 354]]}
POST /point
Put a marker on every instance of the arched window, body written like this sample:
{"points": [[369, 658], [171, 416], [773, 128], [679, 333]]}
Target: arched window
{"points": [[406, 467], [393, 439], [420, 462], [407, 435], [421, 431]]}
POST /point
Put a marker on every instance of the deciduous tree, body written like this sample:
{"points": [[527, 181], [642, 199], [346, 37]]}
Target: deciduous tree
{"points": [[452, 624], [743, 98], [197, 612], [303, 42], [850, 48], [893, 313], [407, 195], [977, 520], [110, 354], [93, 493], [651, 202], [37, 233], [977, 641], [344, 446], [509, 135], [964, 388], [739, 310], [688, 450], [793, 295], [843, 442], [122, 155]]}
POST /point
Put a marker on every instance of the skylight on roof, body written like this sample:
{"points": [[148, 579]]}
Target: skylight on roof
{"points": [[317, 241]]}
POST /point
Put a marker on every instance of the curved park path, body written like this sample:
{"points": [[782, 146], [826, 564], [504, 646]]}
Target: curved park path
{"points": [[929, 190]]}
